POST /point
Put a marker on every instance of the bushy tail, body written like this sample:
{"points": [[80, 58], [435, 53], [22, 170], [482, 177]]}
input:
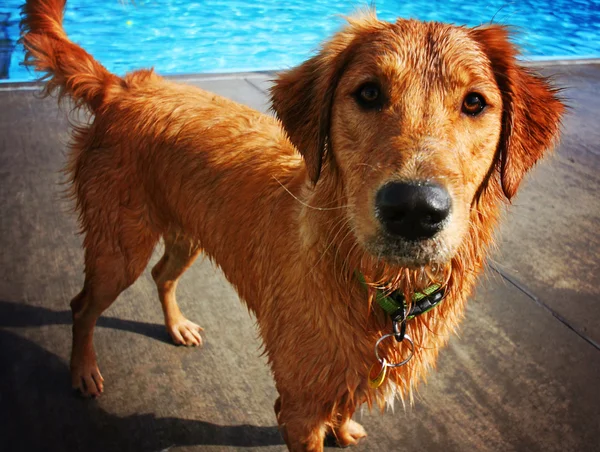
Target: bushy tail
{"points": [[69, 70]]}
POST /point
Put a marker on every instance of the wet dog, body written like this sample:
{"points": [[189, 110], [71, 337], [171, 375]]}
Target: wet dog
{"points": [[382, 177]]}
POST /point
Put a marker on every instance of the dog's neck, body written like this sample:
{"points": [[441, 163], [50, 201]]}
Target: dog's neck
{"points": [[334, 257]]}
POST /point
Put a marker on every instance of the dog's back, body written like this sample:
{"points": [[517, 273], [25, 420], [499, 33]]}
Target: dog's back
{"points": [[156, 142]]}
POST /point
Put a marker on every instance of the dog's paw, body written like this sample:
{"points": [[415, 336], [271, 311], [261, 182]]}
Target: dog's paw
{"points": [[87, 380], [349, 433], [185, 332]]}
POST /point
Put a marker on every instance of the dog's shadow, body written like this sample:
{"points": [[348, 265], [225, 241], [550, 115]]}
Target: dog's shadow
{"points": [[39, 412], [22, 315]]}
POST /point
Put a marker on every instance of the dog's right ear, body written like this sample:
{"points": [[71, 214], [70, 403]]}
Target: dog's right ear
{"points": [[303, 97]]}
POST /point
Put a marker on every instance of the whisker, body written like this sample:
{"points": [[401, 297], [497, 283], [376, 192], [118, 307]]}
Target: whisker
{"points": [[346, 260], [308, 205], [369, 166], [349, 231], [341, 223]]}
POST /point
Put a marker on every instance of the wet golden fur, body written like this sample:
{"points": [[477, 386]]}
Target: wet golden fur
{"points": [[285, 206]]}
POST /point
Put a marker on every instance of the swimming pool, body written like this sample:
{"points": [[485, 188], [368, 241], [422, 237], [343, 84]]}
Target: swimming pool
{"points": [[182, 36]]}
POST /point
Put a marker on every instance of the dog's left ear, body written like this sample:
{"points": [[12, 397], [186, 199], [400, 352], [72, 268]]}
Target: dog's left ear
{"points": [[303, 97], [531, 109]]}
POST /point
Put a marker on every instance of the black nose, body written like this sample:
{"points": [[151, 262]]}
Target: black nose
{"points": [[415, 210]]}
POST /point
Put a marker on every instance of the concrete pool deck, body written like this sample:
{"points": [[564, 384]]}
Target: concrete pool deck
{"points": [[523, 375]]}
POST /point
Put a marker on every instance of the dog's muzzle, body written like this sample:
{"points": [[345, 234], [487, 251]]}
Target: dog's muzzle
{"points": [[413, 210]]}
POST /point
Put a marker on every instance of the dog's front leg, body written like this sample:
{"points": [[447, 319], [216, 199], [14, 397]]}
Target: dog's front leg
{"points": [[303, 428], [310, 436], [347, 432]]}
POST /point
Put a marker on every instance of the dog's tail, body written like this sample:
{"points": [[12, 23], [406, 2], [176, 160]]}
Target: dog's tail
{"points": [[69, 70]]}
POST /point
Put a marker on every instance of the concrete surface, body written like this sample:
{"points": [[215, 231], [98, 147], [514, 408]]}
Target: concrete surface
{"points": [[524, 374]]}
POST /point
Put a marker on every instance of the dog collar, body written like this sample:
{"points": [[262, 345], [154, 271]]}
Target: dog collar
{"points": [[394, 304]]}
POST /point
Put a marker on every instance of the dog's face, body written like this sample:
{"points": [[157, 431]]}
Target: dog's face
{"points": [[416, 119], [415, 124]]}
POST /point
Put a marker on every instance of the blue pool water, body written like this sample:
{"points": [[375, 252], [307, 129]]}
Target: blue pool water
{"points": [[183, 36]]}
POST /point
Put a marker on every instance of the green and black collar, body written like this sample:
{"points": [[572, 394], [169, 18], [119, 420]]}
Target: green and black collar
{"points": [[394, 304]]}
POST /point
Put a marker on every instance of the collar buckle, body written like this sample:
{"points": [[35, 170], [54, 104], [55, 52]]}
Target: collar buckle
{"points": [[399, 323]]}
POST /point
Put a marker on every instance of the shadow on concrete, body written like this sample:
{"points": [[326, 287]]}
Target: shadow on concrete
{"points": [[13, 314], [41, 413]]}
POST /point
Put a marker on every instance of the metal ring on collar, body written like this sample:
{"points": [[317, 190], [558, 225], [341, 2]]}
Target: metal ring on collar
{"points": [[384, 362]]}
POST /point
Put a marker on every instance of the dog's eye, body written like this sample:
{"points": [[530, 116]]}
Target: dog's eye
{"points": [[369, 96], [473, 104]]}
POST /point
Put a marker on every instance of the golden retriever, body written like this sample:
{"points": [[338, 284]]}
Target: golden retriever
{"points": [[384, 174]]}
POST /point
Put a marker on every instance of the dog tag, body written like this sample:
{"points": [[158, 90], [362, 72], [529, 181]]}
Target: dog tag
{"points": [[377, 374]]}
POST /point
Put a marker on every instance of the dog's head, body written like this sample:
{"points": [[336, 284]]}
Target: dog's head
{"points": [[416, 120]]}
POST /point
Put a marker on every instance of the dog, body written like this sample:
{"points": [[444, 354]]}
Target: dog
{"points": [[382, 176]]}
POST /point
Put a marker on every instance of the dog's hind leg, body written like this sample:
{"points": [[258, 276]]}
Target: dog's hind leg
{"points": [[112, 264], [180, 253]]}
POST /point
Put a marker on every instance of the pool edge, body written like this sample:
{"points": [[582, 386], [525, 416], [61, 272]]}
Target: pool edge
{"points": [[34, 85]]}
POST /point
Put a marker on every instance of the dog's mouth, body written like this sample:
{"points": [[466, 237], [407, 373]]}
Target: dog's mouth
{"points": [[409, 253]]}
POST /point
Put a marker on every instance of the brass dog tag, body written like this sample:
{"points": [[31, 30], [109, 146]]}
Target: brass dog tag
{"points": [[377, 374]]}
